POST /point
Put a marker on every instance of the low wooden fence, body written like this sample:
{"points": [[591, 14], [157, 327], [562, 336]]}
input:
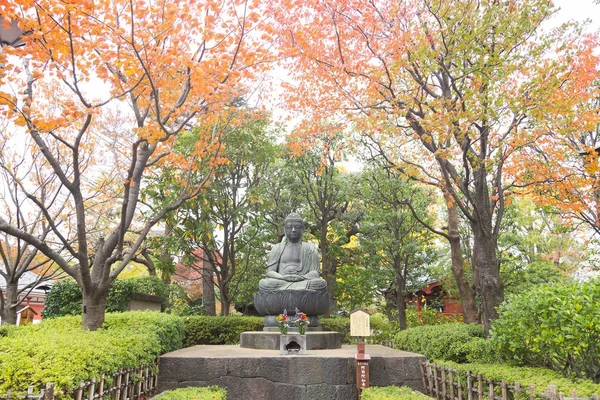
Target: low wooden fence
{"points": [[443, 383], [126, 384]]}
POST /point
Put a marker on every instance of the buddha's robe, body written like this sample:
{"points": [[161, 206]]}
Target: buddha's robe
{"points": [[293, 267]]}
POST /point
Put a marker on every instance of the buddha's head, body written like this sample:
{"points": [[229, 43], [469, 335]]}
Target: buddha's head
{"points": [[294, 227]]}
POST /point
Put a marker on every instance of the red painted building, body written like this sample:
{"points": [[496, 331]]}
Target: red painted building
{"points": [[31, 302], [434, 296]]}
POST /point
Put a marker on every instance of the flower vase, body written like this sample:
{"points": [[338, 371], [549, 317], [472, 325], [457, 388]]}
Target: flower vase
{"points": [[292, 344]]}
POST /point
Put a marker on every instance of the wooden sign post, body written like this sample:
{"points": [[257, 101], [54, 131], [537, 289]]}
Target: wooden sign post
{"points": [[360, 326]]}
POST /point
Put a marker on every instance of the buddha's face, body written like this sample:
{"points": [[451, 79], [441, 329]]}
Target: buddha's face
{"points": [[294, 230]]}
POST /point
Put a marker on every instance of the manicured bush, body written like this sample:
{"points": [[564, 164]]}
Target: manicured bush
{"points": [[339, 324], [59, 351], [452, 342], [429, 317], [65, 297], [555, 326], [392, 393], [218, 330], [382, 331], [541, 378], [194, 393]]}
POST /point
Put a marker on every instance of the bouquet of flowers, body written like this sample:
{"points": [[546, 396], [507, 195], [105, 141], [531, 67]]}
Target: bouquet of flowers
{"points": [[283, 323], [301, 322]]}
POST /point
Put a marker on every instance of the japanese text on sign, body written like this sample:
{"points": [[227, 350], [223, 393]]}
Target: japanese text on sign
{"points": [[360, 324]]}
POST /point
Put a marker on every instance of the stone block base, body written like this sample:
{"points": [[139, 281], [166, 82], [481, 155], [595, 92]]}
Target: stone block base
{"points": [[271, 340], [292, 345], [249, 374]]}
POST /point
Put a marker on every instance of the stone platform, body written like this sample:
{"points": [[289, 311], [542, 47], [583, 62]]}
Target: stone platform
{"points": [[270, 340], [251, 374]]}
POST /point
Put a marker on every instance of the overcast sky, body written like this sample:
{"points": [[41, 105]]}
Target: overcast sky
{"points": [[578, 10]]}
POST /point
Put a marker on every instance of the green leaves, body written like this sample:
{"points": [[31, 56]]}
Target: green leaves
{"points": [[556, 326], [218, 330], [59, 351], [451, 342]]}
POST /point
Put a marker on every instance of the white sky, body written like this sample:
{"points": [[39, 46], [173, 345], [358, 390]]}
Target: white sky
{"points": [[578, 10]]}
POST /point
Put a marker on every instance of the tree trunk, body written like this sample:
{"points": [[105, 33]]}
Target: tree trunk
{"points": [[466, 293], [225, 303], [325, 269], [208, 289], [9, 311], [400, 303], [94, 308], [488, 274]]}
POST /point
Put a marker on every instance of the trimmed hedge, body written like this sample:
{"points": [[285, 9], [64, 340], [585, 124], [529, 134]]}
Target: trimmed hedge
{"points": [[65, 297], [341, 325], [194, 393], [59, 351], [392, 393], [540, 377], [556, 326], [456, 342], [383, 330], [218, 330]]}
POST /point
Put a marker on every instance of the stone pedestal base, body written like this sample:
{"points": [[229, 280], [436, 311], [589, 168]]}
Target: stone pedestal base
{"points": [[271, 340], [292, 344], [310, 302], [249, 374]]}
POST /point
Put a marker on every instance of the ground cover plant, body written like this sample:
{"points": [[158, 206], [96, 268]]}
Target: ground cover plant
{"points": [[59, 351], [194, 393], [392, 393], [541, 378]]}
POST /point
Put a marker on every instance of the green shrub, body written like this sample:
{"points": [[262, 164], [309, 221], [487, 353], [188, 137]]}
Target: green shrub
{"points": [[340, 324], [555, 326], [383, 330], [59, 351], [541, 378], [65, 297], [194, 393], [451, 342], [392, 393], [429, 317], [201, 329]]}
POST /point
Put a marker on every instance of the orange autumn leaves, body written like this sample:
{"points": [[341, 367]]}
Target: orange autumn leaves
{"points": [[173, 60]]}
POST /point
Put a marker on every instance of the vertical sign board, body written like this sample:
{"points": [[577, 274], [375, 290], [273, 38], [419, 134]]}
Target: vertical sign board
{"points": [[362, 373], [360, 326]]}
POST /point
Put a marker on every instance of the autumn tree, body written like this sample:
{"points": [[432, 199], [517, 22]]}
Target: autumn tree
{"points": [[162, 67], [19, 259], [460, 246], [462, 85], [563, 170]]}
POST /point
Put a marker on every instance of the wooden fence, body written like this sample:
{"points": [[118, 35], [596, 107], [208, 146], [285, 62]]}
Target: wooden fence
{"points": [[443, 383], [126, 384]]}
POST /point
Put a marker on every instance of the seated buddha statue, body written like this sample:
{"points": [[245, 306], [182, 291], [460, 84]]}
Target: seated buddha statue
{"points": [[293, 264]]}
